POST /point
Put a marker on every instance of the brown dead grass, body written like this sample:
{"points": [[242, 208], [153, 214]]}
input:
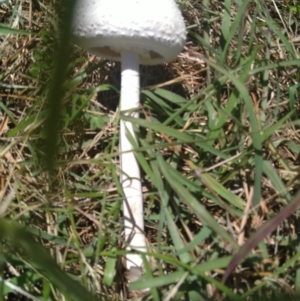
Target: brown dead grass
{"points": [[186, 76]]}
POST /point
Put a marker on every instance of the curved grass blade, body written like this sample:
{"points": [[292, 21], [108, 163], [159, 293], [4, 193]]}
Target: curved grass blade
{"points": [[16, 237], [180, 136], [4, 30], [262, 232], [199, 210], [255, 133]]}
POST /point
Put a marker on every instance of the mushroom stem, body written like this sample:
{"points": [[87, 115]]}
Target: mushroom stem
{"points": [[130, 171]]}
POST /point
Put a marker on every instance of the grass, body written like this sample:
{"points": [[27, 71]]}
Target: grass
{"points": [[218, 144]]}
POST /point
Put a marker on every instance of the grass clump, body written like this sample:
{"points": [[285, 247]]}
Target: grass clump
{"points": [[218, 147]]}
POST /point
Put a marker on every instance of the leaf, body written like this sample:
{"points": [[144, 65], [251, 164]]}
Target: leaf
{"points": [[4, 30], [271, 173], [110, 267]]}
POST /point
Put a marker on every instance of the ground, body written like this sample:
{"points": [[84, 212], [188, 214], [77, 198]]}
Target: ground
{"points": [[218, 147]]}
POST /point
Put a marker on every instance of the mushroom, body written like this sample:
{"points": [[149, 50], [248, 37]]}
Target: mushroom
{"points": [[134, 32]]}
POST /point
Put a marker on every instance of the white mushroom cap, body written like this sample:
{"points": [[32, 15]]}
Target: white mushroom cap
{"points": [[154, 29]]}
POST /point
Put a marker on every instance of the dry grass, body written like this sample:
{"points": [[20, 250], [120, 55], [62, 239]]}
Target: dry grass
{"points": [[80, 206]]}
